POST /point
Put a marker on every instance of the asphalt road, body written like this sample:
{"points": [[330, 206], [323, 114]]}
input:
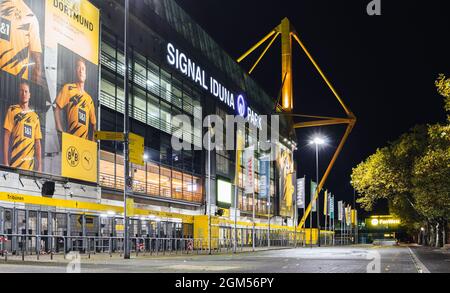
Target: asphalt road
{"points": [[303, 260]]}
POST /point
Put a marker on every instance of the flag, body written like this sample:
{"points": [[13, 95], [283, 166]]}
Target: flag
{"points": [[325, 203], [340, 210], [301, 193], [264, 177], [313, 193], [239, 148], [354, 217], [249, 161], [348, 215], [332, 206]]}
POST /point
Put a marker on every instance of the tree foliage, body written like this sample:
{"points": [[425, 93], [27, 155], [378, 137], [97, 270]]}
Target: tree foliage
{"points": [[413, 172]]}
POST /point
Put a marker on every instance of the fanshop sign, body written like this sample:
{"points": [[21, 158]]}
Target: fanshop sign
{"points": [[189, 68]]}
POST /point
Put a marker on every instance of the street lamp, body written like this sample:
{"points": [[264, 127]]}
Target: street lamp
{"points": [[317, 141]]}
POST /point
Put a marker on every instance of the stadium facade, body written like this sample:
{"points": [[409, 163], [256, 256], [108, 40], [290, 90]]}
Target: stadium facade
{"points": [[176, 69]]}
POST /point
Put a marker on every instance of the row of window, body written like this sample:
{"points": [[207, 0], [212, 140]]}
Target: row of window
{"points": [[151, 179], [157, 97]]}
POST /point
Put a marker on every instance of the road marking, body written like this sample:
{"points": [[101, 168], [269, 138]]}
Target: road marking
{"points": [[421, 268]]}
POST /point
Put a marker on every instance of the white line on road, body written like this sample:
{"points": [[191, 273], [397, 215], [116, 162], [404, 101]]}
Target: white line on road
{"points": [[421, 268]]}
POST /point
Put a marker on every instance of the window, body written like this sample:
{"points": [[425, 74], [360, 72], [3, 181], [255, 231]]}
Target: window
{"points": [[139, 105], [177, 185], [165, 182], [188, 187], [153, 179]]}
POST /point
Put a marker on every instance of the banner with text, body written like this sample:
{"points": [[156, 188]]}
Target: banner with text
{"points": [[301, 193], [49, 56]]}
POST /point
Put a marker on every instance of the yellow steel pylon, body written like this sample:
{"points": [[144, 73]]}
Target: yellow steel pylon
{"points": [[288, 34]]}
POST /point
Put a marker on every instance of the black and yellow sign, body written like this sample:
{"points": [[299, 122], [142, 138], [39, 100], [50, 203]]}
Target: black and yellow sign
{"points": [[136, 149], [79, 158], [109, 136]]}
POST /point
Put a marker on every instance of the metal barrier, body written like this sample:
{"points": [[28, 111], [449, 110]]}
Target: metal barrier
{"points": [[26, 245]]}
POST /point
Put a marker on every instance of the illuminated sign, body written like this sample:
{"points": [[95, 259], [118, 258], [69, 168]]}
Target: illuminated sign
{"points": [[198, 75], [384, 221], [224, 192]]}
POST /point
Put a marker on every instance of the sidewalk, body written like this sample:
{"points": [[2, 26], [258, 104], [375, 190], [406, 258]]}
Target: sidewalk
{"points": [[436, 260], [59, 259]]}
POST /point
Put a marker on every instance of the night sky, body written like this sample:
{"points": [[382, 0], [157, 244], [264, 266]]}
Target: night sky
{"points": [[384, 67]]}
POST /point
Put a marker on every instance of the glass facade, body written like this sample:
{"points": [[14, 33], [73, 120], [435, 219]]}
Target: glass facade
{"points": [[158, 93], [156, 97]]}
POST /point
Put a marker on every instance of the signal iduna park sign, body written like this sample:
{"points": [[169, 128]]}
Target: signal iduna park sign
{"points": [[198, 75]]}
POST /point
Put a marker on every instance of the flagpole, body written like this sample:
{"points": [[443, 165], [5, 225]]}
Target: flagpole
{"points": [[325, 207], [253, 236], [310, 215], [304, 207], [209, 185], [295, 213], [253, 188], [235, 211]]}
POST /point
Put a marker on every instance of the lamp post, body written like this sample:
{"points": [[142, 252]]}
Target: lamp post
{"points": [[317, 141], [126, 244]]}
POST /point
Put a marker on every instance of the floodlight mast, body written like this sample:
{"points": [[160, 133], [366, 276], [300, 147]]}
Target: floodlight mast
{"points": [[288, 34]]}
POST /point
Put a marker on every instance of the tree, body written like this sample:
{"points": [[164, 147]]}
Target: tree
{"points": [[413, 173]]}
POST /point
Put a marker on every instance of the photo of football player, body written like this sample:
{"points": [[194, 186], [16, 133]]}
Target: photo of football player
{"points": [[20, 43], [22, 138], [80, 107]]}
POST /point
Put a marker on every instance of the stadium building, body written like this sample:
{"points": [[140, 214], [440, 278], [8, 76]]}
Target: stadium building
{"points": [[176, 69]]}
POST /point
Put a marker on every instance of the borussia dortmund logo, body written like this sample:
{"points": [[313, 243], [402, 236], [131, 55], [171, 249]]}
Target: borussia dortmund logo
{"points": [[72, 156]]}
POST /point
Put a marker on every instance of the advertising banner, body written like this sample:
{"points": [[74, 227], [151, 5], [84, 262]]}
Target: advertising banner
{"points": [[340, 210], [313, 193], [80, 158], [348, 215], [249, 162], [331, 206], [287, 181], [239, 149], [325, 203], [49, 56], [301, 193], [264, 178]]}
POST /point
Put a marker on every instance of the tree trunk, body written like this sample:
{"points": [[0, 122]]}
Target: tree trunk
{"points": [[432, 236], [438, 233], [444, 232]]}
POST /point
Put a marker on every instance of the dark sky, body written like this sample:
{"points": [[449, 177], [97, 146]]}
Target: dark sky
{"points": [[384, 67]]}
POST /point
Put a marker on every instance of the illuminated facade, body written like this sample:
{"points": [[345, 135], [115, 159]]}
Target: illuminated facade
{"points": [[176, 69]]}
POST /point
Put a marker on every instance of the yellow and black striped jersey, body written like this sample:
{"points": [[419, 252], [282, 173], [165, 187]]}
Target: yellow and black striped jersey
{"points": [[19, 35], [25, 129], [80, 110]]}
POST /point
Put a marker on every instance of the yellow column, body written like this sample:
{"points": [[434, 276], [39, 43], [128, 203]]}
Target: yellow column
{"points": [[287, 97]]}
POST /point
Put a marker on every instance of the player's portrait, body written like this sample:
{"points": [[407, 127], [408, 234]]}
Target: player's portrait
{"points": [[75, 104], [22, 134], [21, 50]]}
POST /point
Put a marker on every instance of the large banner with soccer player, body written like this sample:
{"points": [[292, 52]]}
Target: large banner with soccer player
{"points": [[49, 57], [287, 182]]}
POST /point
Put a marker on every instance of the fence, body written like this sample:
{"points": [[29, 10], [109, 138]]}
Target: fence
{"points": [[28, 245]]}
